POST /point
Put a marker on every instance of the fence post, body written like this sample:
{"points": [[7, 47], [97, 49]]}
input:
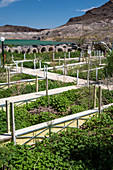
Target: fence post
{"points": [[34, 64], [46, 86], [100, 99], [77, 76], [88, 78], [8, 116], [6, 75], [17, 67], [24, 56], [96, 74], [59, 61], [100, 59], [63, 68], [36, 83], [40, 64], [94, 97], [77, 123], [69, 55], [12, 123], [53, 56], [8, 78]]}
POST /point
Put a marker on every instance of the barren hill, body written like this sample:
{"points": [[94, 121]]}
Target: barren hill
{"points": [[12, 28]]}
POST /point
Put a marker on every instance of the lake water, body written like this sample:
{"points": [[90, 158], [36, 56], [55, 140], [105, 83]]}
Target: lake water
{"points": [[31, 42]]}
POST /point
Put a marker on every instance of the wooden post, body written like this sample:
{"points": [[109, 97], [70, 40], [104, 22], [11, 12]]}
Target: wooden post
{"points": [[36, 83], [53, 56], [34, 64], [77, 76], [24, 56], [44, 71], [88, 78], [100, 99], [59, 61], [69, 54], [94, 97], [17, 67], [96, 74], [6, 75], [46, 86], [8, 116], [63, 69], [12, 123], [8, 78], [40, 64]]}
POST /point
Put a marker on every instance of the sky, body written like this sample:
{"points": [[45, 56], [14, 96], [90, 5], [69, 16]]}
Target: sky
{"points": [[43, 13]]}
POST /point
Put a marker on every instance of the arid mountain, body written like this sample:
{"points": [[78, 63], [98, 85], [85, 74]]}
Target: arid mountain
{"points": [[12, 28], [94, 25], [103, 13]]}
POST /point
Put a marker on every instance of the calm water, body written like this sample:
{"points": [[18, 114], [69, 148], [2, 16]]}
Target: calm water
{"points": [[30, 42]]}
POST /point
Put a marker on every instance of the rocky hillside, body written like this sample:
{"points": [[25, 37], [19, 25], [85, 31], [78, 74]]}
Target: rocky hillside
{"points": [[95, 24], [103, 13]]}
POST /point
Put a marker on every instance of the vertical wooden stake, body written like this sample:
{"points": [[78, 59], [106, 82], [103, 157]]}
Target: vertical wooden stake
{"points": [[96, 74], [88, 78], [6, 75], [12, 123], [94, 97], [59, 61], [63, 69], [9, 78], [46, 86], [100, 99], [36, 83], [8, 116], [77, 76]]}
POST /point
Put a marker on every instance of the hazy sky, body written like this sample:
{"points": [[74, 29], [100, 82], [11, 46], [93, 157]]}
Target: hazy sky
{"points": [[43, 13]]}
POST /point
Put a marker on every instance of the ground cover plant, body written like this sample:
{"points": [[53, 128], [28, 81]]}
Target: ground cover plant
{"points": [[16, 77], [21, 88], [90, 148], [48, 56], [51, 107]]}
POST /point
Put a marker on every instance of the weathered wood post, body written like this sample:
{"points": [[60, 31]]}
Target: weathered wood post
{"points": [[69, 54], [59, 61], [88, 78], [40, 64], [12, 123], [63, 69], [36, 83], [53, 56], [100, 57], [24, 56], [100, 99], [8, 77], [17, 67], [77, 76], [34, 61], [94, 97], [46, 83], [96, 74], [8, 115]]}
